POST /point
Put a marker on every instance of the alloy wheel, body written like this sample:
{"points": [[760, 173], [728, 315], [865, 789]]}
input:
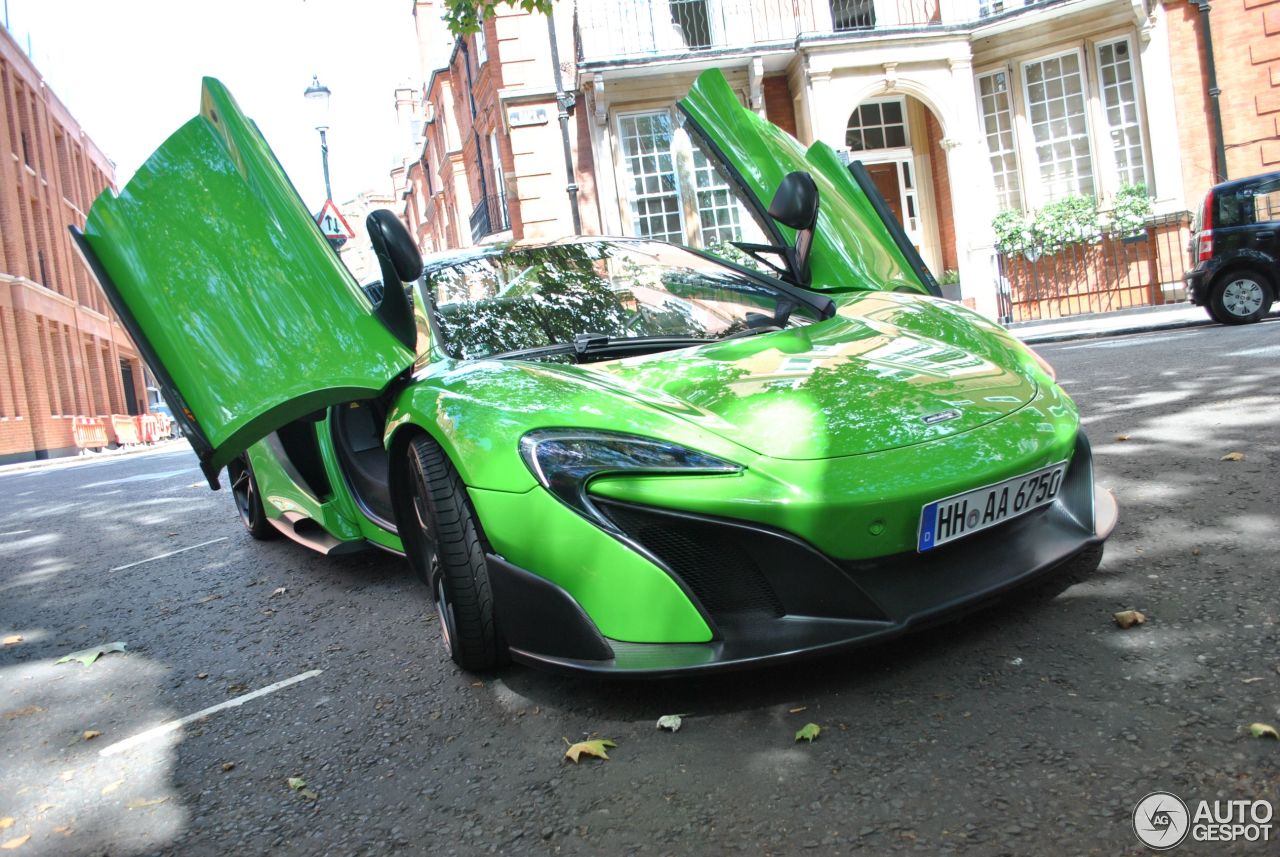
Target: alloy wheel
{"points": [[1242, 297]]}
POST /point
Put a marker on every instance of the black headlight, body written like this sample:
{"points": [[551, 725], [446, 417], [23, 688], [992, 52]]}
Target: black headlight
{"points": [[565, 460]]}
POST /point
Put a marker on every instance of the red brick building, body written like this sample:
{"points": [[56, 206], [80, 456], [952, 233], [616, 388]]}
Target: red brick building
{"points": [[490, 161], [64, 353], [1246, 50]]}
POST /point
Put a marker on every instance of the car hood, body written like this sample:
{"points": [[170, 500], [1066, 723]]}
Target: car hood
{"points": [[886, 372]]}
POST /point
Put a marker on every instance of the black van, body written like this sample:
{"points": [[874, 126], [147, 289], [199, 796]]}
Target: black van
{"points": [[1235, 248]]}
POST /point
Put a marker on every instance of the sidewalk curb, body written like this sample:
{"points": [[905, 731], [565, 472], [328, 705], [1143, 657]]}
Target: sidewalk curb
{"points": [[1046, 338], [64, 462]]}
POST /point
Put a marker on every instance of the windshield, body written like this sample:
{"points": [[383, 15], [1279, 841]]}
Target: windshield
{"points": [[544, 296]]}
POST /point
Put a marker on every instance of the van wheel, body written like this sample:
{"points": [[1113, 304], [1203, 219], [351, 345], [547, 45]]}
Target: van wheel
{"points": [[446, 547], [1239, 298], [244, 490]]}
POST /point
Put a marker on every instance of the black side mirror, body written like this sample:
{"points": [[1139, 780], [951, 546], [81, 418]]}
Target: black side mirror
{"points": [[400, 262], [795, 204]]}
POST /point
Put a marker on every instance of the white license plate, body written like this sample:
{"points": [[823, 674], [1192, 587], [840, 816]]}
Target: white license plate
{"points": [[964, 514]]}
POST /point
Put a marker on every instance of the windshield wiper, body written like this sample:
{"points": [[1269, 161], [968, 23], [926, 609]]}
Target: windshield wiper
{"points": [[596, 343]]}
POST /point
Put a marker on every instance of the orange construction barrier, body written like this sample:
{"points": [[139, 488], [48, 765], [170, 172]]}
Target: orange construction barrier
{"points": [[147, 428], [89, 432], [125, 430], [164, 427]]}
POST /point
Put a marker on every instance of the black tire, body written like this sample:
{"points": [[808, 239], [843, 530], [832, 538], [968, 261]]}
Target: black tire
{"points": [[1239, 297], [446, 547], [244, 490]]}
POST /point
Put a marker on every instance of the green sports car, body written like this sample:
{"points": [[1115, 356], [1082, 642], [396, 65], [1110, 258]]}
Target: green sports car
{"points": [[607, 455]]}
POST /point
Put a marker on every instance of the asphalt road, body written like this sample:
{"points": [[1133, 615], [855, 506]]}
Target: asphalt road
{"points": [[1033, 727]]}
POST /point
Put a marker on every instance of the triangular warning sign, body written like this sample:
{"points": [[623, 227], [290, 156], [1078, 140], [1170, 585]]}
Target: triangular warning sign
{"points": [[332, 223]]}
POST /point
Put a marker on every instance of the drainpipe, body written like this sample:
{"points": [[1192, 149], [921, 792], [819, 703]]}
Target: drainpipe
{"points": [[475, 133], [566, 100], [1219, 148]]}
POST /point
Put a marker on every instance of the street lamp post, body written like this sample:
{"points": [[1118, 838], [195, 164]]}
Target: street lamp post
{"points": [[317, 95]]}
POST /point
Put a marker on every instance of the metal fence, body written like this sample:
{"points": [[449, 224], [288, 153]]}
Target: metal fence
{"points": [[489, 216], [1112, 273]]}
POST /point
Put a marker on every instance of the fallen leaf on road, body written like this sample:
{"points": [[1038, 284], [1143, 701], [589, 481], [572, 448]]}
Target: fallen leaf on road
{"points": [[235, 688], [208, 598], [797, 710], [88, 656], [138, 803], [1251, 680], [65, 830], [308, 794], [12, 639], [1195, 551], [1233, 456], [44, 807], [228, 766], [6, 822], [278, 591], [671, 722], [110, 787], [25, 711], [1263, 730], [1129, 618], [591, 748], [808, 732], [296, 783], [202, 675], [90, 734], [16, 843], [1122, 437]]}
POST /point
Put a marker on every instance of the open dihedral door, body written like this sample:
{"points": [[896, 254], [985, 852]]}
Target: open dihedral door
{"points": [[246, 316], [853, 247]]}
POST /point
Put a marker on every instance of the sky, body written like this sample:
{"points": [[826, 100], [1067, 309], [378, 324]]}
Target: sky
{"points": [[129, 71]]}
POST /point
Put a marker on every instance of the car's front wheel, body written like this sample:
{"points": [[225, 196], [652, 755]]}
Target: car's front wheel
{"points": [[244, 490], [1239, 298], [445, 545]]}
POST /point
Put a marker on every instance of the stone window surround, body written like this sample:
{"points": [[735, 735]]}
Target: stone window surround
{"points": [[1106, 182]]}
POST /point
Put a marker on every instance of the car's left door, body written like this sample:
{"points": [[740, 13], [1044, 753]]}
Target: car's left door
{"points": [[246, 316]]}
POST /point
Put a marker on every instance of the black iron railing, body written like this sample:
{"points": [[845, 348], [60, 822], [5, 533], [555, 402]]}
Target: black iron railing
{"points": [[489, 216]]}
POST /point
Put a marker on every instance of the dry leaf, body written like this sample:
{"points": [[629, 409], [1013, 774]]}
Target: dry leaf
{"points": [[6, 822], [296, 783], [1129, 618], [202, 675], [208, 598], [138, 803], [1251, 680], [808, 732], [1263, 730], [12, 639], [797, 710], [591, 748], [278, 591], [16, 843], [1233, 456], [1122, 437], [671, 722], [44, 807], [110, 787], [228, 766], [90, 734], [88, 656], [25, 711], [65, 830]]}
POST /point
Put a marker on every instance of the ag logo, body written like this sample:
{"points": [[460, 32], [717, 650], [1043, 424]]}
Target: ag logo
{"points": [[1161, 821]]}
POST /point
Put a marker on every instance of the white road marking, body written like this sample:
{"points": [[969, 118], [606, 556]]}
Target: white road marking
{"points": [[169, 554], [166, 728], [14, 533]]}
